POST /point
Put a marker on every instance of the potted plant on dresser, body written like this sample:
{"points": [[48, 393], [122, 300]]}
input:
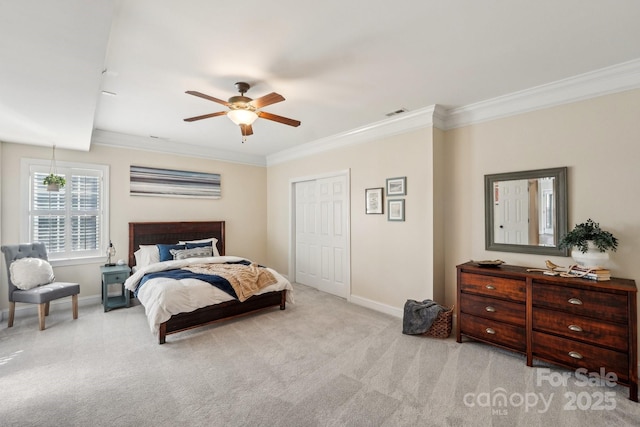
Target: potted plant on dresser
{"points": [[589, 244]]}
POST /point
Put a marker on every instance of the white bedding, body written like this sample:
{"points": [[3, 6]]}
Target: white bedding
{"points": [[164, 297]]}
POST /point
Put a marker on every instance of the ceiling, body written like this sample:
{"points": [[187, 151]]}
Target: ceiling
{"points": [[340, 65]]}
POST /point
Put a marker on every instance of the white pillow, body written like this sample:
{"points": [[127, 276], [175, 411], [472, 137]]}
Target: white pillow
{"points": [[213, 241], [205, 251], [27, 273], [210, 239], [147, 254]]}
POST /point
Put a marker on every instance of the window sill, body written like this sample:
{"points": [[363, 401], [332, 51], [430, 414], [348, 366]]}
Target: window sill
{"points": [[63, 262]]}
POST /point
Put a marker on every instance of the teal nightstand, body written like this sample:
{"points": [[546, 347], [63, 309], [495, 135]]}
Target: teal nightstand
{"points": [[116, 274]]}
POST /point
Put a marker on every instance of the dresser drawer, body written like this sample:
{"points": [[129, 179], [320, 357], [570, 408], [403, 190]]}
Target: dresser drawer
{"points": [[580, 355], [494, 309], [503, 334], [598, 305], [115, 277], [613, 335], [499, 287]]}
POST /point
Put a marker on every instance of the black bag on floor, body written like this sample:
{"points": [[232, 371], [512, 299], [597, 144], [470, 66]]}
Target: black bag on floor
{"points": [[419, 316]]}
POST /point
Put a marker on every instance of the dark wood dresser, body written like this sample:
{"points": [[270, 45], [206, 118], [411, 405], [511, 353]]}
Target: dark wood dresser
{"points": [[571, 322]]}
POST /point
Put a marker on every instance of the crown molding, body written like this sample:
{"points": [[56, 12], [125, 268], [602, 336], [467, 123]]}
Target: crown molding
{"points": [[405, 122], [617, 78], [115, 139]]}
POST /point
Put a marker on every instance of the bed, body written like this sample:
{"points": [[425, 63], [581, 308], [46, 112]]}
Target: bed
{"points": [[206, 303]]}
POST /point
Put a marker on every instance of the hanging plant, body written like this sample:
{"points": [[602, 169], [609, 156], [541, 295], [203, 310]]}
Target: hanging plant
{"points": [[54, 182]]}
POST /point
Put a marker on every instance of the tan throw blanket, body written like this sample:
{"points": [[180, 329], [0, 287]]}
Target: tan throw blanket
{"points": [[246, 280]]}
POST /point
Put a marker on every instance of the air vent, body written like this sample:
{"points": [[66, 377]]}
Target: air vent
{"points": [[396, 112]]}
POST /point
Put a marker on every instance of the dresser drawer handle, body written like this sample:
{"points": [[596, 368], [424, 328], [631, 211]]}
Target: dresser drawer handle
{"points": [[575, 328], [490, 309], [575, 301], [490, 331], [490, 287], [575, 355]]}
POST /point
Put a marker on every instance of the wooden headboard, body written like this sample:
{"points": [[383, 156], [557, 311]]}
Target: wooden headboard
{"points": [[150, 233]]}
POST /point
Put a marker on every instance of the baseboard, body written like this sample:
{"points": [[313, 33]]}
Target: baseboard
{"points": [[374, 305], [23, 309]]}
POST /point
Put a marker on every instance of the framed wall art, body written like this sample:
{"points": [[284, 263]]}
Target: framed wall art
{"points": [[397, 186], [395, 210], [145, 181], [374, 200]]}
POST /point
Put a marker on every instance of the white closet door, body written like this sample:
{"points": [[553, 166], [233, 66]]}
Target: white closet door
{"points": [[307, 240], [322, 234]]}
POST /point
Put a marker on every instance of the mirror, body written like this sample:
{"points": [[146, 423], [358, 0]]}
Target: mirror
{"points": [[526, 211]]}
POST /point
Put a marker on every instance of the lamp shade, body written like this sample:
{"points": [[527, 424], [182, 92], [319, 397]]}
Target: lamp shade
{"points": [[242, 117]]}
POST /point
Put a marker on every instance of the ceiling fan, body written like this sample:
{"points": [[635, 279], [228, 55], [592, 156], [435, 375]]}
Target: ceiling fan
{"points": [[243, 110]]}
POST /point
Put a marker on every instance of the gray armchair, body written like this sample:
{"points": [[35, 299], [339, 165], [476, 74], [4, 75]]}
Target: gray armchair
{"points": [[41, 295]]}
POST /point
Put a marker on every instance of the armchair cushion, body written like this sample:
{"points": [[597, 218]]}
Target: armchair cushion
{"points": [[28, 273], [46, 293]]}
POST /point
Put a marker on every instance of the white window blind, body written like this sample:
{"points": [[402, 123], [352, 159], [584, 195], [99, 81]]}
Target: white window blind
{"points": [[71, 221]]}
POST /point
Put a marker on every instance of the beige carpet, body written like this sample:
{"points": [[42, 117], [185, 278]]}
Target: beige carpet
{"points": [[321, 362]]}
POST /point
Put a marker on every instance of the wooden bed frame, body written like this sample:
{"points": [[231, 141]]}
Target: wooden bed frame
{"points": [[149, 233]]}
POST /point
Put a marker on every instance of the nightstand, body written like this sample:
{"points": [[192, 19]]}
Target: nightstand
{"points": [[114, 275]]}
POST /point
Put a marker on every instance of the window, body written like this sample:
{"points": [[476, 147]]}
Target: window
{"points": [[72, 222]]}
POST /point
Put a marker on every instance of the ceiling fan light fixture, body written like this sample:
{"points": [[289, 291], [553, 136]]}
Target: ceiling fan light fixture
{"points": [[242, 117], [243, 111]]}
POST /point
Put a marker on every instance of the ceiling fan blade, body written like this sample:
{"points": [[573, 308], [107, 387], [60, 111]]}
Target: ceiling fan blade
{"points": [[210, 98], [205, 116], [279, 119], [246, 130], [269, 99]]}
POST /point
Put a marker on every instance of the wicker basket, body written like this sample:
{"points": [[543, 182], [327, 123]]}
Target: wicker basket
{"points": [[441, 327]]}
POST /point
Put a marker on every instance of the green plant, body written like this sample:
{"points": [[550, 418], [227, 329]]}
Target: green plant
{"points": [[590, 230], [54, 179]]}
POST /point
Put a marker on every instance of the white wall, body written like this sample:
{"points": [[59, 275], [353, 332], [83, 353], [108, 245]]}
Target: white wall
{"points": [[390, 261], [242, 206], [597, 139]]}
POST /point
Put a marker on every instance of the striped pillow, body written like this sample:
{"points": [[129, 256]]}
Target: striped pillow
{"points": [[201, 252]]}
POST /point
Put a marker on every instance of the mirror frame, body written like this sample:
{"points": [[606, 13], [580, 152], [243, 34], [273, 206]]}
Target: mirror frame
{"points": [[561, 213]]}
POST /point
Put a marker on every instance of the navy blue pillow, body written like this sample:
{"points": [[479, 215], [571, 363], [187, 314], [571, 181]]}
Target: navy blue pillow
{"points": [[165, 254]]}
